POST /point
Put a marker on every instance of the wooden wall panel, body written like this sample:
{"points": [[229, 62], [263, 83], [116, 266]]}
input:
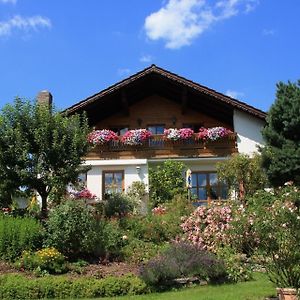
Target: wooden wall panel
{"points": [[158, 110]]}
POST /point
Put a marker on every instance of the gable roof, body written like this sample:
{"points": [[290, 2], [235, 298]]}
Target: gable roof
{"points": [[153, 69]]}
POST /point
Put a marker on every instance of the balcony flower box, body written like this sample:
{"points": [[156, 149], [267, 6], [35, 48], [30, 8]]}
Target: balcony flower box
{"points": [[213, 133], [174, 134], [136, 137], [101, 137]]}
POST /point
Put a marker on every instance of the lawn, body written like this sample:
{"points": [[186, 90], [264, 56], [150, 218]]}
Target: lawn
{"points": [[259, 288]]}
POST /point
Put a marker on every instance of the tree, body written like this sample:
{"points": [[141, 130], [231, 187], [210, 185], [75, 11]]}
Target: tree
{"points": [[166, 181], [243, 174], [281, 155], [40, 149]]}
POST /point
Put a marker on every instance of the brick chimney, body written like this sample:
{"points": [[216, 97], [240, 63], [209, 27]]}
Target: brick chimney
{"points": [[44, 98]]}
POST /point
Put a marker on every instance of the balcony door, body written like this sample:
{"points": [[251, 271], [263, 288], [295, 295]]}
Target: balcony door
{"points": [[113, 182], [206, 187]]}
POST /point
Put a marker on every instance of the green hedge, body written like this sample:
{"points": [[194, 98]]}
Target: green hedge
{"points": [[18, 234], [19, 287]]}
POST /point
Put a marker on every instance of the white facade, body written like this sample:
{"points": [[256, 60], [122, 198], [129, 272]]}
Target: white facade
{"points": [[134, 170], [248, 129]]}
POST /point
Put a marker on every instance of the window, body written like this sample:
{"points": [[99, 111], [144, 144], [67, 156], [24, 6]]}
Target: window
{"points": [[113, 182], [206, 187], [119, 130], [156, 129]]}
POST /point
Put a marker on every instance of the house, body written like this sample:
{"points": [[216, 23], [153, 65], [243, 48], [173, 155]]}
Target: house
{"points": [[156, 99]]}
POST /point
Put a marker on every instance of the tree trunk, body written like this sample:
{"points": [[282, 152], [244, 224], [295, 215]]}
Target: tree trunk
{"points": [[44, 212]]}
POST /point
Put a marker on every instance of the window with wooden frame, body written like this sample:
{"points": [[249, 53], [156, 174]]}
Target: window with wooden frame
{"points": [[156, 128], [112, 182], [206, 187]]}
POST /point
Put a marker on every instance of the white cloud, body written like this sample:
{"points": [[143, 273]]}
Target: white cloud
{"points": [[23, 24], [146, 58], [8, 1], [123, 72], [234, 94], [268, 32], [179, 22]]}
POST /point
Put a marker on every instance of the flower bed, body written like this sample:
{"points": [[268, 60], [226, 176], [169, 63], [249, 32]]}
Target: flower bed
{"points": [[136, 137], [101, 137]]}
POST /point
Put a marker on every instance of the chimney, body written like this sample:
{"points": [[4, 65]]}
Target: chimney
{"points": [[44, 98]]}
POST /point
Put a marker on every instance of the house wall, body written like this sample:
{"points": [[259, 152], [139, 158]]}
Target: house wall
{"points": [[248, 129], [158, 110], [134, 170]]}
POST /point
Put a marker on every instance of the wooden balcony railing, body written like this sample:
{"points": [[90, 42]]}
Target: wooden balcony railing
{"points": [[159, 146]]}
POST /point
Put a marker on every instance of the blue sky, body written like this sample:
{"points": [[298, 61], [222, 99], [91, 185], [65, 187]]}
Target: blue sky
{"points": [[75, 48]]}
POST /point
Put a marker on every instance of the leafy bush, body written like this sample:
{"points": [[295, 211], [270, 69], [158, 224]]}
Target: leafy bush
{"points": [[166, 181], [45, 260], [17, 287], [138, 196], [18, 234], [182, 260], [277, 226], [72, 229], [137, 251], [117, 205], [111, 240], [237, 268]]}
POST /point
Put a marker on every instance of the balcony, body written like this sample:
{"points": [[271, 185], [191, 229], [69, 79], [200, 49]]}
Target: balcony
{"points": [[159, 147]]}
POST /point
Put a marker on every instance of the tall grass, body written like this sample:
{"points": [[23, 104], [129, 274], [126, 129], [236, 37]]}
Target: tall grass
{"points": [[18, 234]]}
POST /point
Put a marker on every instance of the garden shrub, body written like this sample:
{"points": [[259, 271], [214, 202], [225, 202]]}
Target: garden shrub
{"points": [[182, 260], [61, 287], [137, 194], [207, 227], [47, 260], [72, 229], [18, 234], [137, 251], [236, 264], [117, 205], [111, 239], [277, 226]]}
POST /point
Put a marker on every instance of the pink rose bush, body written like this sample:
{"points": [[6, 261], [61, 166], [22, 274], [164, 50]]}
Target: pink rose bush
{"points": [[101, 137], [207, 227], [175, 134], [84, 194], [136, 137], [213, 134]]}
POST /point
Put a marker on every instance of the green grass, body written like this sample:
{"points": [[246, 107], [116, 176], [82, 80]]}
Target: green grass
{"points": [[259, 288]]}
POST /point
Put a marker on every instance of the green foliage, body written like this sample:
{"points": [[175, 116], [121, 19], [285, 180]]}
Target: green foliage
{"points": [[139, 251], [18, 234], [182, 260], [166, 181], [111, 240], [117, 205], [237, 268], [281, 155], [138, 195], [40, 149], [243, 174], [72, 229], [61, 287], [47, 260]]}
